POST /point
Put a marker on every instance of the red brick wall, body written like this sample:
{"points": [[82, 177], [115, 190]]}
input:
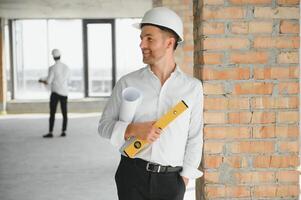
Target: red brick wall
{"points": [[246, 54], [184, 52]]}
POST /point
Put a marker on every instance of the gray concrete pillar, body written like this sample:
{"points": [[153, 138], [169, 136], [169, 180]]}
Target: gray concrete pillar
{"points": [[2, 70]]}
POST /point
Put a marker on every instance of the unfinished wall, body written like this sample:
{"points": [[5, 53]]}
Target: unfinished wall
{"points": [[184, 52], [246, 54]]}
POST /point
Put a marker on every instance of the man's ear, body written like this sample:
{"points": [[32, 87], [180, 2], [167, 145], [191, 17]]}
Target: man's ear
{"points": [[171, 42]]}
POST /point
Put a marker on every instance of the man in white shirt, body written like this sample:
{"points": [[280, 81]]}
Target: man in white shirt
{"points": [[57, 79], [163, 168]]}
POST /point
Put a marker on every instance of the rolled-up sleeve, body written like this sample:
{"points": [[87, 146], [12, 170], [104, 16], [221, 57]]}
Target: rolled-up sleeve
{"points": [[50, 76], [109, 125], [194, 146]]}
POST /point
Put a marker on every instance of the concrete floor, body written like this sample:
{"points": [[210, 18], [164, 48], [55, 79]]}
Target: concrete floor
{"points": [[78, 167]]}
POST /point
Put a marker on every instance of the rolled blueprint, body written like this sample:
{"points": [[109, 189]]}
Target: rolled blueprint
{"points": [[131, 98]]}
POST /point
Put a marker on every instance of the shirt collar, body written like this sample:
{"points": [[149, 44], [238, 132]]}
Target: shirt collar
{"points": [[177, 71]]}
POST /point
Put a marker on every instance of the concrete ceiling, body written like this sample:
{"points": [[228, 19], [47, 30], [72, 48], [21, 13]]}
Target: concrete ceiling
{"points": [[14, 9]]}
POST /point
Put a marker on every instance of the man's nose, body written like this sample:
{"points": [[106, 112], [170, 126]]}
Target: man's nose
{"points": [[142, 44]]}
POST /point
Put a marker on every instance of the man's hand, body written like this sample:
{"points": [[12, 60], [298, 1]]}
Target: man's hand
{"points": [[43, 81], [144, 131], [186, 180]]}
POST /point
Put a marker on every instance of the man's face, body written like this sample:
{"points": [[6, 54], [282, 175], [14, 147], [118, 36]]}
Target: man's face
{"points": [[153, 44]]}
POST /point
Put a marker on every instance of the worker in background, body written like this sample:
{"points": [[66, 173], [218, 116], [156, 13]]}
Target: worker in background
{"points": [[161, 170], [57, 79]]}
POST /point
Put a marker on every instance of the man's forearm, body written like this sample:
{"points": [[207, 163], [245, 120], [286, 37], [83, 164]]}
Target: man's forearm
{"points": [[128, 132], [43, 81], [143, 130]]}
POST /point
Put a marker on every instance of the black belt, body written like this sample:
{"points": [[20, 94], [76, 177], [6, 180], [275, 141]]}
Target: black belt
{"points": [[151, 167]]}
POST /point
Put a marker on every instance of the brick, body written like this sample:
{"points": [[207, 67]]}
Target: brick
{"points": [[211, 58], [287, 146], [240, 28], [276, 13], [265, 191], [275, 102], [187, 59], [264, 132], [226, 132], [253, 88], [276, 42], [225, 43], [228, 192], [252, 147], [214, 118], [188, 48], [249, 57], [283, 191], [211, 177], [263, 117], [215, 191], [288, 117], [276, 73], [244, 163], [215, 104], [288, 191], [213, 147], [240, 117], [260, 27], [226, 103], [289, 26], [285, 161], [287, 176], [213, 2], [238, 191], [242, 2], [238, 103], [225, 74], [223, 13], [254, 177], [213, 88], [288, 57], [288, 88], [288, 2], [289, 131], [234, 161], [252, 27], [212, 161], [211, 28]]}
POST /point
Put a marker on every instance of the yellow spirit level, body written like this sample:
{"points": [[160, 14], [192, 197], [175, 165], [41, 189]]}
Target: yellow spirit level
{"points": [[136, 145]]}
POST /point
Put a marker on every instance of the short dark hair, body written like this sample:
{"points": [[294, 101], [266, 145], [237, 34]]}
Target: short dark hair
{"points": [[163, 28]]}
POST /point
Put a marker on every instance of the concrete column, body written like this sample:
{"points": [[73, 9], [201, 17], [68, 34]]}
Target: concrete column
{"points": [[2, 71]]}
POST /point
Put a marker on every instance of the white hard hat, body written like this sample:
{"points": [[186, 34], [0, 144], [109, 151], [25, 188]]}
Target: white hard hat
{"points": [[56, 53], [165, 17]]}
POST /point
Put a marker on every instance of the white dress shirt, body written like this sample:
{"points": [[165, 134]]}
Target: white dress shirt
{"points": [[57, 79], [180, 143]]}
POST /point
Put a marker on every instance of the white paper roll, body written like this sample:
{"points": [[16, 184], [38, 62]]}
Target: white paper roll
{"points": [[131, 98]]}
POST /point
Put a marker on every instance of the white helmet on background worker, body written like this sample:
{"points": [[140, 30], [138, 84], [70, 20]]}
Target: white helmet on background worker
{"points": [[164, 17], [56, 53]]}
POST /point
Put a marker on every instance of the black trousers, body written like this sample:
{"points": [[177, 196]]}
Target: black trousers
{"points": [[54, 99], [135, 183]]}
